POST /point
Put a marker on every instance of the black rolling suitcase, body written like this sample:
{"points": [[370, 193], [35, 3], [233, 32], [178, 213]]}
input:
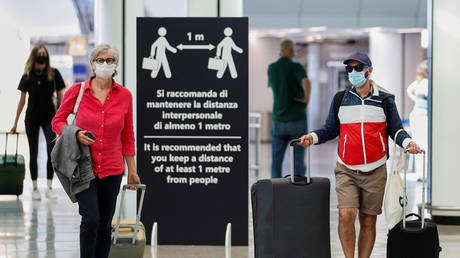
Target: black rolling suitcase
{"points": [[414, 238], [291, 215]]}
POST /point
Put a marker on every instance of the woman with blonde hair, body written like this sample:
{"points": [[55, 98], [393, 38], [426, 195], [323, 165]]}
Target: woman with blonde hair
{"points": [[40, 81], [105, 117]]}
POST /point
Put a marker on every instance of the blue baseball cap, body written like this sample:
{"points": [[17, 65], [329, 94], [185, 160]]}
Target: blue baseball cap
{"points": [[360, 57]]}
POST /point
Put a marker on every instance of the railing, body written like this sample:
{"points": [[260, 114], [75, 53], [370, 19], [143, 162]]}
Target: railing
{"points": [[430, 207], [255, 123]]}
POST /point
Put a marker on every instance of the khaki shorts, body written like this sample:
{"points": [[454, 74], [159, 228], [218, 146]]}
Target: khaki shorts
{"points": [[358, 190]]}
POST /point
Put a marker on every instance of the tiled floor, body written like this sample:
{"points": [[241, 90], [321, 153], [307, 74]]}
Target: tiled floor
{"points": [[50, 228]]}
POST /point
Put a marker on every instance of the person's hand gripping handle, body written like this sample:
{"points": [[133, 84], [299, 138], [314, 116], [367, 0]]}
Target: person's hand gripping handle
{"points": [[306, 140]]}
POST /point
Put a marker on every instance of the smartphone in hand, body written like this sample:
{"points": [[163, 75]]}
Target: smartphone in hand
{"points": [[90, 135]]}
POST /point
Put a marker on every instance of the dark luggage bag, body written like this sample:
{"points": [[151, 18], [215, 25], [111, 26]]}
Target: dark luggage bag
{"points": [[12, 170], [415, 238], [128, 236], [291, 215]]}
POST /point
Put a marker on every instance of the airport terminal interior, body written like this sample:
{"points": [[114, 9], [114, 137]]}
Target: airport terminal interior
{"points": [[398, 36]]}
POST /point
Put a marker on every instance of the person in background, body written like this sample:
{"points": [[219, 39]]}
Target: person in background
{"points": [[40, 82], [418, 118], [366, 116], [291, 94], [106, 110]]}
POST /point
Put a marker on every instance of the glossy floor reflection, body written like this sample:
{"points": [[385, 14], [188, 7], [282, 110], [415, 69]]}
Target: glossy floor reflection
{"points": [[38, 228], [51, 228]]}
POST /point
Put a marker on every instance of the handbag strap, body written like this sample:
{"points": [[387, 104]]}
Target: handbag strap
{"points": [[55, 93], [77, 103], [400, 159], [54, 80], [80, 95]]}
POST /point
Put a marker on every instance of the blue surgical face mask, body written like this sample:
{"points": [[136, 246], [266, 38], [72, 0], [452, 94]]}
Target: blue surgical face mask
{"points": [[357, 79], [294, 58]]}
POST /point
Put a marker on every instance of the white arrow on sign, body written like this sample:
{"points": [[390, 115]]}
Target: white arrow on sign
{"points": [[208, 47]]}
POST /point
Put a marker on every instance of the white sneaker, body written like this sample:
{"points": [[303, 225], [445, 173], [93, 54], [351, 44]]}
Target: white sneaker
{"points": [[36, 195], [50, 194]]}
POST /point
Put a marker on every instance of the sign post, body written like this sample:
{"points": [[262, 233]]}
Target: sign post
{"points": [[192, 128]]}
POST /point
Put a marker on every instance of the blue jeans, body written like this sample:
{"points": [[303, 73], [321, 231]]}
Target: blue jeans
{"points": [[96, 206], [282, 133]]}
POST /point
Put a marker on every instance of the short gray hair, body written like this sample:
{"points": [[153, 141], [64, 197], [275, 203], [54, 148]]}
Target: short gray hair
{"points": [[285, 46], [105, 47]]}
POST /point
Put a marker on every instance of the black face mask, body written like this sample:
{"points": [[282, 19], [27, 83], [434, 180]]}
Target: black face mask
{"points": [[41, 59], [40, 72]]}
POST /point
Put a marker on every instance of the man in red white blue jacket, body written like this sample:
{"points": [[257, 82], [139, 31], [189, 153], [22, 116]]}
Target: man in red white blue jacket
{"points": [[363, 118]]}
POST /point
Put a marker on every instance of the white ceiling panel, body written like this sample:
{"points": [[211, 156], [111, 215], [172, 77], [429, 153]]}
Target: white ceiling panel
{"points": [[391, 7], [330, 8], [44, 18], [336, 13]]}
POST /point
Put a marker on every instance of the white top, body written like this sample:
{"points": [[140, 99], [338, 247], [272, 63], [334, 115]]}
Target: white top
{"points": [[418, 92]]}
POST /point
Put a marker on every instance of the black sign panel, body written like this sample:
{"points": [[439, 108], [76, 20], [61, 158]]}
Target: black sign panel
{"points": [[192, 128]]}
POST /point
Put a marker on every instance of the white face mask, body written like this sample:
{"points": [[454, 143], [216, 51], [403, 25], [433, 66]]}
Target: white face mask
{"points": [[105, 70]]}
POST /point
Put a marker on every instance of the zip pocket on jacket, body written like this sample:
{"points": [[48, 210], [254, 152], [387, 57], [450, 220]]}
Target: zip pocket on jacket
{"points": [[383, 144], [344, 144]]}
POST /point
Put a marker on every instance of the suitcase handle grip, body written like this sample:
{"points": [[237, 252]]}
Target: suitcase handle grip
{"points": [[298, 179], [292, 143], [413, 229], [6, 148], [422, 216], [138, 186], [413, 214], [141, 187]]}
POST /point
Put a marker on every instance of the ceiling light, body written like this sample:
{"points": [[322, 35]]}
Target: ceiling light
{"points": [[409, 30], [316, 29], [424, 38], [294, 30], [373, 29]]}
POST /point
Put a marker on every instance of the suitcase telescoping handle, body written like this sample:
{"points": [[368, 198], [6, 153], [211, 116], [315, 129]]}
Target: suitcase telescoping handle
{"points": [[292, 143], [423, 195], [6, 148], [139, 210]]}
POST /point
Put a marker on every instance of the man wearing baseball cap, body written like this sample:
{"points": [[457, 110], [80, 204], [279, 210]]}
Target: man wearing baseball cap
{"points": [[363, 118]]}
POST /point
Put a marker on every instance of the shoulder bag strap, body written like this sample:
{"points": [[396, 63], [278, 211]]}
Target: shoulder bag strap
{"points": [[338, 97], [80, 95], [55, 93], [54, 79], [77, 104], [399, 165]]}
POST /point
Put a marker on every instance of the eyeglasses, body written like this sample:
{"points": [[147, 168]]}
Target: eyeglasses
{"points": [[358, 68], [108, 60]]}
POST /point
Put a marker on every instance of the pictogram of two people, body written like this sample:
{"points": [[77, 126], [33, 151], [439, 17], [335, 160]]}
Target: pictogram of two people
{"points": [[223, 52]]}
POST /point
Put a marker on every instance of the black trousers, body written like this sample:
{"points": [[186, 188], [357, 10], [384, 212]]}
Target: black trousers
{"points": [[32, 131], [96, 205]]}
